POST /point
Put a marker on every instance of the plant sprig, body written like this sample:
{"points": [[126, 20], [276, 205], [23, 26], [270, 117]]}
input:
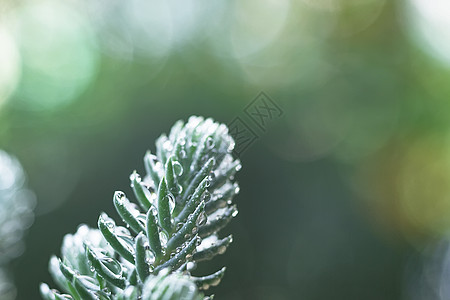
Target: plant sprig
{"points": [[182, 203]]}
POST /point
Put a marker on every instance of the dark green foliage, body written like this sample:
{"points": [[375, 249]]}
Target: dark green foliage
{"points": [[182, 204]]}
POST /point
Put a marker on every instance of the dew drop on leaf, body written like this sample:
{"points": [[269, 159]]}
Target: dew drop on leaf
{"points": [[237, 189], [109, 224], [163, 238], [171, 201], [119, 195], [177, 168], [135, 177], [210, 143], [206, 196], [201, 220], [221, 249], [231, 147], [182, 141], [167, 146], [191, 266], [179, 226], [154, 211]]}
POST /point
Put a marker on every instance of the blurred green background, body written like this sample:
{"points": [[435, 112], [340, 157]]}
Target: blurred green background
{"points": [[342, 197]]}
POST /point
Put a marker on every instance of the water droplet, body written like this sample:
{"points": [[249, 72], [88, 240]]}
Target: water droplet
{"points": [[109, 224], [119, 195], [201, 219], [177, 189], [188, 256], [179, 226], [222, 249], [182, 141], [191, 266], [163, 238], [229, 201], [149, 257], [237, 189], [198, 241], [135, 177], [180, 189], [231, 147], [151, 157], [167, 146], [183, 154], [171, 201], [235, 213], [154, 211], [187, 235], [238, 167], [206, 196], [194, 230], [210, 143], [172, 255], [177, 168]]}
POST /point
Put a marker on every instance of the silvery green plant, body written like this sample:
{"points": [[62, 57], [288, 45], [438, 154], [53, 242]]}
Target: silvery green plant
{"points": [[16, 215], [179, 207]]}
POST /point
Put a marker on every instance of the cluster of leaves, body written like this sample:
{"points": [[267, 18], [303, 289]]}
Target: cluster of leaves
{"points": [[16, 207], [16, 215], [181, 204]]}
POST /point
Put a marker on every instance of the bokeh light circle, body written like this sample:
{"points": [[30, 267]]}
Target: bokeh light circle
{"points": [[59, 56], [428, 24]]}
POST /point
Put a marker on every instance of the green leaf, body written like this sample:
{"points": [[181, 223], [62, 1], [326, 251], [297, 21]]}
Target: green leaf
{"points": [[151, 166], [106, 226], [140, 192], [164, 215], [142, 267], [153, 233], [206, 282], [102, 269], [170, 177], [218, 247], [122, 206]]}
